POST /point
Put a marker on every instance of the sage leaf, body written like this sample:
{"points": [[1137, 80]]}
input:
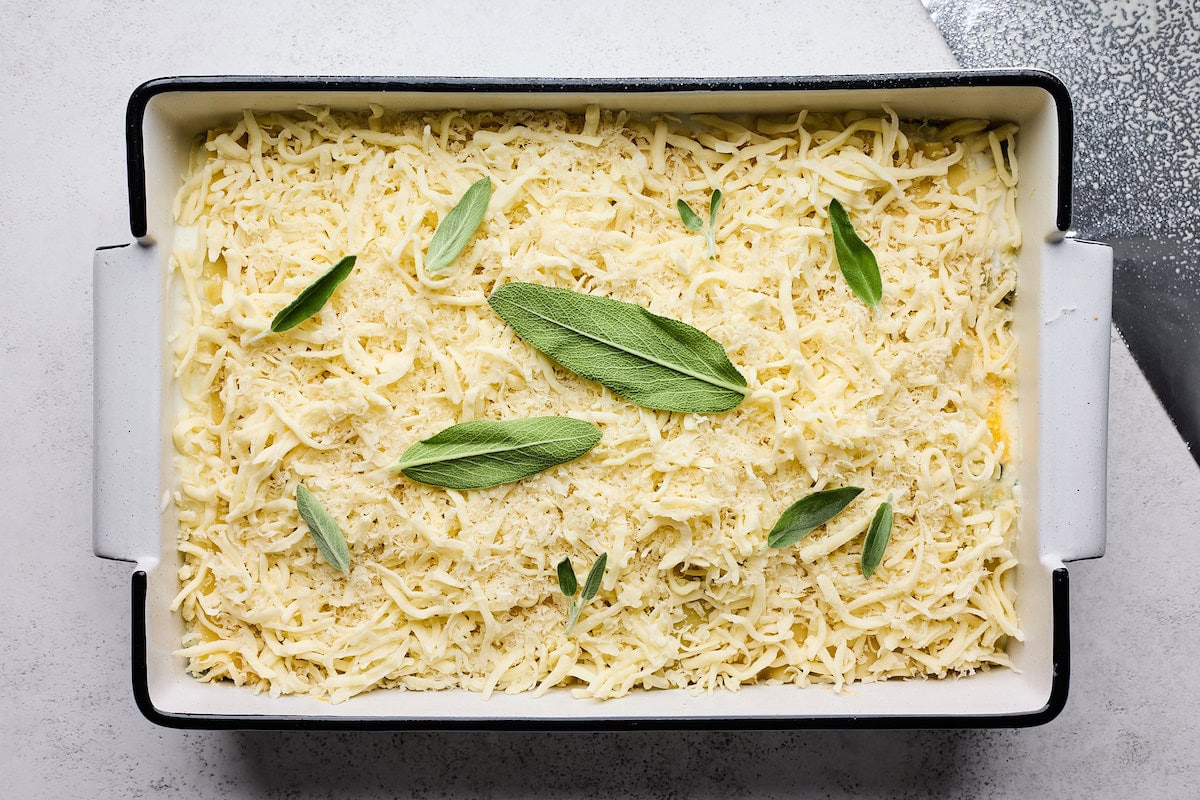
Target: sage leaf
{"points": [[809, 513], [324, 529], [483, 453], [877, 538], [312, 299], [714, 203], [856, 260], [458, 226], [595, 575], [650, 360], [691, 220], [567, 582], [566, 577]]}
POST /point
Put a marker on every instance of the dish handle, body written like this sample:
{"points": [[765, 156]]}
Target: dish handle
{"points": [[1073, 364], [126, 451]]}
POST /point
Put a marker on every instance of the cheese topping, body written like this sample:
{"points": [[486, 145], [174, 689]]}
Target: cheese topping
{"points": [[458, 589]]}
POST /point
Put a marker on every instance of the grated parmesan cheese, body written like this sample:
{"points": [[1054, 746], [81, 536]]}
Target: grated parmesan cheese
{"points": [[458, 589]]}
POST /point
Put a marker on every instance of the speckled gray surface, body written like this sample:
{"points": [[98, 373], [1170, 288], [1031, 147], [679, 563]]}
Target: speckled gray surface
{"points": [[68, 727], [1133, 68]]}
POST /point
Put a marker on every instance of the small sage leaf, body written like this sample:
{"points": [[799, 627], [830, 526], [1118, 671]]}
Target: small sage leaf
{"points": [[856, 260], [877, 538], [567, 582], [714, 203], [458, 226], [809, 513], [312, 299], [566, 578], [691, 220], [595, 575], [483, 453], [650, 360], [324, 529]]}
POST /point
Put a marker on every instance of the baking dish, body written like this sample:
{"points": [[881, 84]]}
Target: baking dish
{"points": [[1062, 315]]}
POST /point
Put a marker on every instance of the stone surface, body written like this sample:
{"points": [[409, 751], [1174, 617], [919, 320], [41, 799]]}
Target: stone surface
{"points": [[68, 727]]}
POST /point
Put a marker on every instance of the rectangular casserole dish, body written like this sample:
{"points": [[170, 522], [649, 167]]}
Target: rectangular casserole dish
{"points": [[1062, 315]]}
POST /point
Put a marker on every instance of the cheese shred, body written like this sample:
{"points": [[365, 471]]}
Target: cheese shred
{"points": [[457, 589]]}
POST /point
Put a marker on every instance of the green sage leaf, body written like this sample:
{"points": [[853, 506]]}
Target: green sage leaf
{"points": [[650, 360], [458, 226], [595, 575], [714, 203], [877, 538], [324, 529], [483, 453], [856, 260], [809, 513], [312, 299], [567, 582], [566, 577], [691, 220]]}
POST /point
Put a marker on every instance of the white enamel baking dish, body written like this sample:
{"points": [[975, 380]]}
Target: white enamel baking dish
{"points": [[1062, 318]]}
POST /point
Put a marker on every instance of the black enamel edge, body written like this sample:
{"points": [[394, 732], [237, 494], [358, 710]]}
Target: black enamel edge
{"points": [[1054, 704], [142, 95]]}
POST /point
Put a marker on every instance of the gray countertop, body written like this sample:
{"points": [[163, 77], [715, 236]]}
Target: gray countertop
{"points": [[68, 726]]}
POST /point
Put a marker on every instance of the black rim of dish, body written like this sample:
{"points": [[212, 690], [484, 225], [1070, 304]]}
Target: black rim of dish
{"points": [[143, 94], [1061, 667]]}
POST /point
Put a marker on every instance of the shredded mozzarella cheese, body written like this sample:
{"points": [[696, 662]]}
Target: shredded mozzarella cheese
{"points": [[458, 589]]}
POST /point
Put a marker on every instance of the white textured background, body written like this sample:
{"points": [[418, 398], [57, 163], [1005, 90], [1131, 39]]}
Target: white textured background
{"points": [[68, 727]]}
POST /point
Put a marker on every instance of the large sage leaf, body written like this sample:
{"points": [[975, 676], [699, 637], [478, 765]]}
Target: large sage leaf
{"points": [[809, 513], [650, 360], [483, 453]]}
